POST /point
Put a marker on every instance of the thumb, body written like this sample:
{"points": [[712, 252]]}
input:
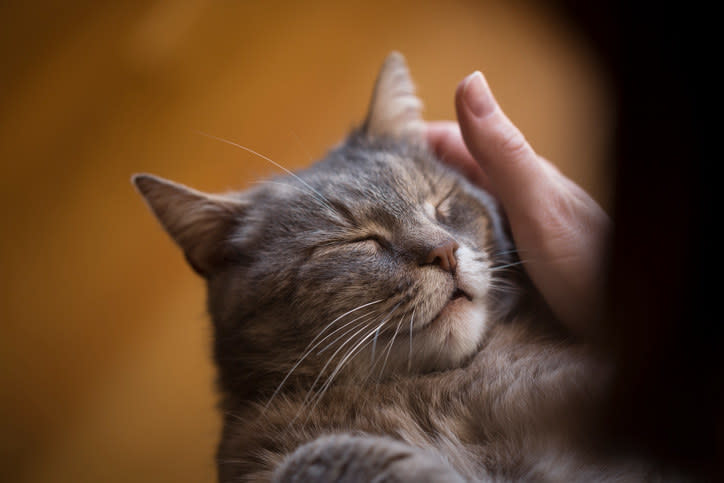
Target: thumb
{"points": [[512, 167]]}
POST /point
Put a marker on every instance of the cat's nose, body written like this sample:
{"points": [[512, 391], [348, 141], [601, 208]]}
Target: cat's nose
{"points": [[443, 255]]}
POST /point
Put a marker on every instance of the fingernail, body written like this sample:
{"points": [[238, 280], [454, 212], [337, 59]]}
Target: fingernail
{"points": [[476, 96]]}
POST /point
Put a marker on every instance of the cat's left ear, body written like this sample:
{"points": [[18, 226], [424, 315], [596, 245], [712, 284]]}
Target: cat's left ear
{"points": [[200, 223], [395, 110]]}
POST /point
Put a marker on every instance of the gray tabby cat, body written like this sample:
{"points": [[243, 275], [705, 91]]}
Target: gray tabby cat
{"points": [[372, 324]]}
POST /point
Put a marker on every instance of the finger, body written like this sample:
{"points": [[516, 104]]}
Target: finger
{"points": [[444, 137], [509, 162], [446, 141]]}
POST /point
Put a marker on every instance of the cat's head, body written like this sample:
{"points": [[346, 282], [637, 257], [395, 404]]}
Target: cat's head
{"points": [[377, 260]]}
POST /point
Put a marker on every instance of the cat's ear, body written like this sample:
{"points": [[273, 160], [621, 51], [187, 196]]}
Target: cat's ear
{"points": [[199, 223], [395, 110]]}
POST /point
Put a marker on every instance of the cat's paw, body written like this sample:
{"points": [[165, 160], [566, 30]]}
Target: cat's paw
{"points": [[347, 458]]}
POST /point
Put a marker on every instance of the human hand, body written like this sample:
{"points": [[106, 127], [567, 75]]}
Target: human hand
{"points": [[559, 230]]}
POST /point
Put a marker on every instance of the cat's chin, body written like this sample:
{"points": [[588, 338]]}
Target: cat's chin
{"points": [[458, 301], [454, 335], [447, 342]]}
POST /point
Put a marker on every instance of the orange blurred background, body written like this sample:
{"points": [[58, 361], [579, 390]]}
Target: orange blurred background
{"points": [[105, 371]]}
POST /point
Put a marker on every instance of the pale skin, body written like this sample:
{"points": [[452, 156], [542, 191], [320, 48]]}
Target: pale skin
{"points": [[560, 231]]}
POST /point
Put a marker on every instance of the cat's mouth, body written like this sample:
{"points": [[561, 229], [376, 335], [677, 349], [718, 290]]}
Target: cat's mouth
{"points": [[457, 298], [459, 293]]}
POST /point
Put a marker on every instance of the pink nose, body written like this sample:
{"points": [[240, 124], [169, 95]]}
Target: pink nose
{"points": [[444, 255]]}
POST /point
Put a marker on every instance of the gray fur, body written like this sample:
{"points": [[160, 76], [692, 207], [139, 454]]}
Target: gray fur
{"points": [[341, 354]]}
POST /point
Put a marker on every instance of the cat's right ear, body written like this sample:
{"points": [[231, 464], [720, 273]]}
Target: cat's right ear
{"points": [[199, 223]]}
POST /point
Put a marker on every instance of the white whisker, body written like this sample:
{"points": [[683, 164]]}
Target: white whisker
{"points": [[344, 359], [279, 183], [309, 350], [319, 195], [506, 252], [374, 344], [499, 267], [344, 315], [323, 349], [409, 357], [331, 358], [328, 383], [389, 346], [307, 397]]}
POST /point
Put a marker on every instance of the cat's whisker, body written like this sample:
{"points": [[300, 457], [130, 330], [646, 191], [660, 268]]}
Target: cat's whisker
{"points": [[346, 356], [374, 362], [497, 282], [409, 356], [319, 195], [279, 183], [386, 351], [508, 265], [349, 354], [308, 397], [310, 350], [377, 330], [501, 272], [507, 252], [503, 286], [331, 358], [377, 333], [374, 344], [389, 346], [322, 350], [341, 316], [498, 278]]}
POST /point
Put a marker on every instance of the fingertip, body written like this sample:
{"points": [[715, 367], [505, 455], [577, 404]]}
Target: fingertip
{"points": [[501, 150], [474, 96], [486, 131]]}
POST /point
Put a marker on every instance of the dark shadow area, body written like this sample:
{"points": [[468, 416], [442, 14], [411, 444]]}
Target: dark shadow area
{"points": [[664, 281]]}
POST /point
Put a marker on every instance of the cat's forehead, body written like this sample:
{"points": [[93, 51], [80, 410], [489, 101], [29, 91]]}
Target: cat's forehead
{"points": [[387, 185], [387, 176]]}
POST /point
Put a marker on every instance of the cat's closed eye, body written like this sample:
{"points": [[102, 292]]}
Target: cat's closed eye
{"points": [[442, 211], [372, 242], [442, 207]]}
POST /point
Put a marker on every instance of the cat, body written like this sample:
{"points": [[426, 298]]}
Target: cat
{"points": [[372, 321]]}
